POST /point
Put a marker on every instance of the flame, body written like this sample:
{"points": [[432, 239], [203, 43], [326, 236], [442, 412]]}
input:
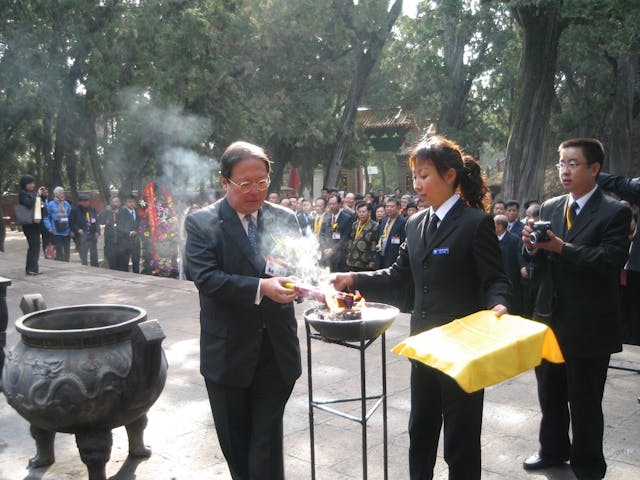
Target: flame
{"points": [[333, 303], [339, 302]]}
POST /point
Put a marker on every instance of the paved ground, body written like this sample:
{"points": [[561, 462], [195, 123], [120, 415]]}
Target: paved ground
{"points": [[181, 432]]}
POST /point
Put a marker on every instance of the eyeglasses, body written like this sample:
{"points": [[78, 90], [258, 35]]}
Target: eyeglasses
{"points": [[245, 187], [570, 165]]}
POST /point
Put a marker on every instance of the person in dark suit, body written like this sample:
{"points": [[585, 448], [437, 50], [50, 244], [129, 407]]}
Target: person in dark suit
{"points": [[511, 255], [335, 232], [579, 267], [391, 234], [451, 253], [128, 238], [303, 214], [85, 226], [249, 349], [109, 218], [631, 287], [512, 211], [529, 282]]}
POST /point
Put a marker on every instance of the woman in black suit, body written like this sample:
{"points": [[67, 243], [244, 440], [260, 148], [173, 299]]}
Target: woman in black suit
{"points": [[452, 255]]}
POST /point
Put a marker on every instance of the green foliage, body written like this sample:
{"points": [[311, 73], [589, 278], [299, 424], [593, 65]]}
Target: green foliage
{"points": [[453, 50], [126, 81]]}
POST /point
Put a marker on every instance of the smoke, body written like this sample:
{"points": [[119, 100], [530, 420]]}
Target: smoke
{"points": [[161, 143], [301, 255], [182, 168]]}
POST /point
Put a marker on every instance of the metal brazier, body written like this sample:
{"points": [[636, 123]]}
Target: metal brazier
{"points": [[375, 319], [85, 370]]}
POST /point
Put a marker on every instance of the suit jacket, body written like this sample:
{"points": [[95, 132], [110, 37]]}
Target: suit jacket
{"points": [[340, 246], [305, 222], [511, 255], [458, 272], [624, 187], [226, 271], [398, 232], [516, 228], [126, 224], [579, 293], [109, 218]]}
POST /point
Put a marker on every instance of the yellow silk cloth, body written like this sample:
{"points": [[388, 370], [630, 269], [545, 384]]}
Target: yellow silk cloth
{"points": [[481, 349]]}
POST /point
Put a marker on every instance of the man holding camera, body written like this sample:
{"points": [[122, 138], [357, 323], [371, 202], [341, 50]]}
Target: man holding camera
{"points": [[578, 255]]}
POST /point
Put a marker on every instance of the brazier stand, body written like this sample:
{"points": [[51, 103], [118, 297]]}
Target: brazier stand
{"points": [[325, 405]]}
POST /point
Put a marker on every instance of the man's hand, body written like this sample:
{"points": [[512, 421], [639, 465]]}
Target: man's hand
{"points": [[274, 289], [526, 231], [341, 281], [524, 273], [554, 244]]}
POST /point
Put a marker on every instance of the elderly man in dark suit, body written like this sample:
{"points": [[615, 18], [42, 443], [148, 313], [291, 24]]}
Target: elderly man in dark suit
{"points": [[249, 349], [579, 267]]}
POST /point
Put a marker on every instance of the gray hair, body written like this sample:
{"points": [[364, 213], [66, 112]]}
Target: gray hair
{"points": [[58, 190]]}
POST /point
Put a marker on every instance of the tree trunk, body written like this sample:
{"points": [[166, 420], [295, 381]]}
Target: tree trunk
{"points": [[527, 146], [367, 58], [280, 153], [71, 161], [619, 151], [454, 98], [95, 160], [54, 174]]}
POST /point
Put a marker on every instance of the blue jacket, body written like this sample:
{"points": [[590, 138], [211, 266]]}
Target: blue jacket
{"points": [[51, 220]]}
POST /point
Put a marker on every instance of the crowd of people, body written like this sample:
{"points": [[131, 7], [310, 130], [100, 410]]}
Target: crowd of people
{"points": [[440, 254], [58, 223]]}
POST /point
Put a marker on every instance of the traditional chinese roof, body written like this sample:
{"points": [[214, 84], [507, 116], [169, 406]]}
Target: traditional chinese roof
{"points": [[386, 128], [386, 118]]}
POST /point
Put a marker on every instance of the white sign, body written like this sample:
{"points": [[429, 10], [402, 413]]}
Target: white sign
{"points": [[372, 170]]}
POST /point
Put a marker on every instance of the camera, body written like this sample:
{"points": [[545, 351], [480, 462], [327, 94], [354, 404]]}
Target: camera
{"points": [[539, 233]]}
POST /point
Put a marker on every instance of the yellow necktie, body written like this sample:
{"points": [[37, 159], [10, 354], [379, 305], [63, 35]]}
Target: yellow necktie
{"points": [[570, 215]]}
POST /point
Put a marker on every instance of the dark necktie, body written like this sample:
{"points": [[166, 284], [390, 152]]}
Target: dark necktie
{"points": [[571, 215], [432, 227], [252, 233]]}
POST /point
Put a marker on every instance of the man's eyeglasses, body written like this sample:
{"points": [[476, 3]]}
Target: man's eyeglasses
{"points": [[245, 187], [570, 165]]}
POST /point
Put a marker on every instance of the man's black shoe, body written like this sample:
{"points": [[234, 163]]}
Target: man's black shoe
{"points": [[536, 462]]}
